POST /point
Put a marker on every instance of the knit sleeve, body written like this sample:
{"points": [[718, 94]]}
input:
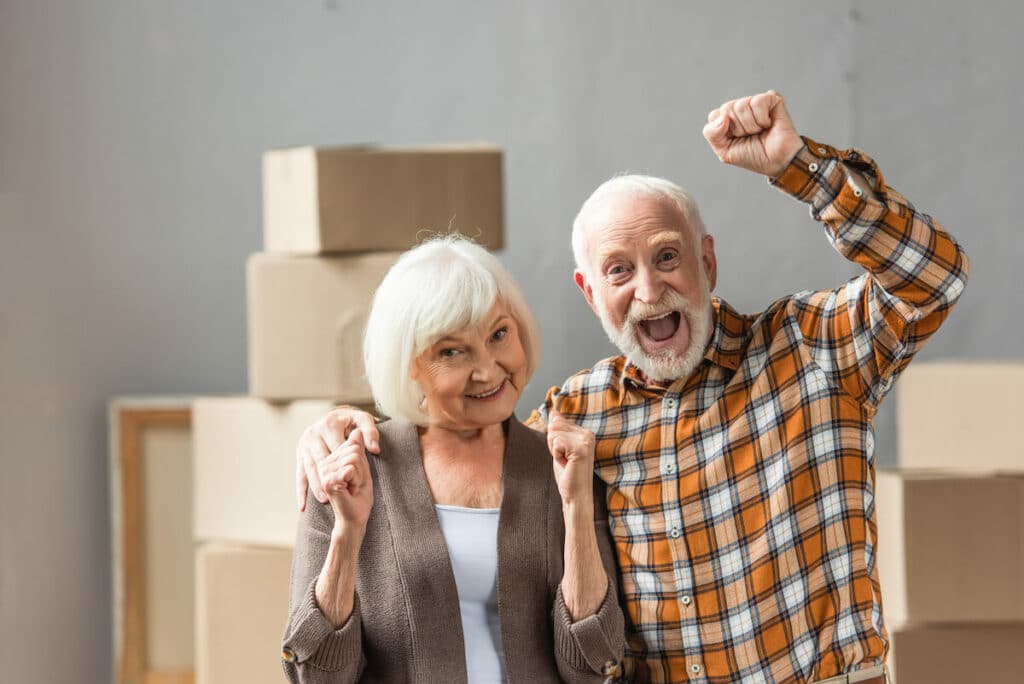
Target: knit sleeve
{"points": [[591, 649], [313, 651]]}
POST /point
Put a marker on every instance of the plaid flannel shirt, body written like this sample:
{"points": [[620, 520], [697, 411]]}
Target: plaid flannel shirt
{"points": [[741, 499]]}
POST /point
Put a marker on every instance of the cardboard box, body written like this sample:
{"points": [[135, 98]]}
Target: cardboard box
{"points": [[241, 613], [368, 198], [950, 548], [962, 416], [957, 654], [307, 316], [244, 467]]}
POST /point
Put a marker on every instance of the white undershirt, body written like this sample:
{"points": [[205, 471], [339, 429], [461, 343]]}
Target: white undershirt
{"points": [[471, 535]]}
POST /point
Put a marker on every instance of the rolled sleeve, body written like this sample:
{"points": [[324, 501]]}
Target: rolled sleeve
{"points": [[819, 175], [314, 640], [313, 651], [593, 645]]}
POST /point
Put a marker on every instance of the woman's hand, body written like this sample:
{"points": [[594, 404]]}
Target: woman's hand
{"points": [[584, 582], [345, 477], [572, 452]]}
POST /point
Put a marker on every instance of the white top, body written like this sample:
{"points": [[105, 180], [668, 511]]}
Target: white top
{"points": [[471, 535]]}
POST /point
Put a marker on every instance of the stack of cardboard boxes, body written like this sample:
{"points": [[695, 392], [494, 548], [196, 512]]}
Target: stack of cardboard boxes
{"points": [[951, 526], [335, 220]]}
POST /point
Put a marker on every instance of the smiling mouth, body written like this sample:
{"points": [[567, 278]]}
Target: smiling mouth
{"points": [[489, 393], [661, 328]]}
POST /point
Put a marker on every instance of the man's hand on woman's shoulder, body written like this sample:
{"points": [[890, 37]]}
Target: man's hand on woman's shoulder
{"points": [[322, 438]]}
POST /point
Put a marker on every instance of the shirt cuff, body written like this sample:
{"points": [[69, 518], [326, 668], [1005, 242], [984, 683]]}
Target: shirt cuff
{"points": [[818, 176]]}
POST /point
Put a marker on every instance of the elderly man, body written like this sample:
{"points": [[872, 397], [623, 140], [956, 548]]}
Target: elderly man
{"points": [[738, 449]]}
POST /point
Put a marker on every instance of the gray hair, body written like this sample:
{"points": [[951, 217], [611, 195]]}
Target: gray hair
{"points": [[636, 185], [445, 284]]}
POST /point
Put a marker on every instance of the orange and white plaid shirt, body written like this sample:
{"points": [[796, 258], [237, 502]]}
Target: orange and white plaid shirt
{"points": [[741, 499]]}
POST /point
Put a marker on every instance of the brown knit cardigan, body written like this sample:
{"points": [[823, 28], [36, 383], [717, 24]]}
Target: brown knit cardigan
{"points": [[406, 624]]}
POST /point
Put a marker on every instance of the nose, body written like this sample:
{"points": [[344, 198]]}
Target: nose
{"points": [[485, 369], [649, 286]]}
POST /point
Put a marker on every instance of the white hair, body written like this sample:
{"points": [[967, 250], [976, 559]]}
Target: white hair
{"points": [[637, 186], [443, 285]]}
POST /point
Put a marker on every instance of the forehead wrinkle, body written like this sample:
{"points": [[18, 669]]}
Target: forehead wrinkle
{"points": [[629, 212]]}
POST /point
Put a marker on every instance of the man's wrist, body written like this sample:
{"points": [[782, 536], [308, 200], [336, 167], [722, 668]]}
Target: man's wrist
{"points": [[790, 156]]}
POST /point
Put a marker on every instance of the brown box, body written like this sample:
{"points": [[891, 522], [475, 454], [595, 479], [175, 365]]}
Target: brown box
{"points": [[950, 548], [306, 321], [961, 415], [244, 468], [241, 613], [957, 654], [318, 200]]}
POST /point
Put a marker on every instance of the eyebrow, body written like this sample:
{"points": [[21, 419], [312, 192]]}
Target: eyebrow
{"points": [[663, 238], [499, 319], [666, 236]]}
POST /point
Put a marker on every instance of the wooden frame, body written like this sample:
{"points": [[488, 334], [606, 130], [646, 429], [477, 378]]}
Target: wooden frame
{"points": [[130, 419]]}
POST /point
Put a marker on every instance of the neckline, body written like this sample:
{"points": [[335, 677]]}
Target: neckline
{"points": [[467, 509]]}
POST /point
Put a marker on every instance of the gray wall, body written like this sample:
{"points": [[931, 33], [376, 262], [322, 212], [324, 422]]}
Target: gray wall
{"points": [[130, 140]]}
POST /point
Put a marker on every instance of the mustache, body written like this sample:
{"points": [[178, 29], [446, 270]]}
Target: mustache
{"points": [[669, 301]]}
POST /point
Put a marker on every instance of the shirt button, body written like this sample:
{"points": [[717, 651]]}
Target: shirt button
{"points": [[671, 403], [674, 533], [687, 600], [695, 668], [822, 150], [288, 655], [813, 167], [857, 192], [670, 467]]}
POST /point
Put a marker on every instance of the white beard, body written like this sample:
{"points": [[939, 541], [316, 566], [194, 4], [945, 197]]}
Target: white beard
{"points": [[668, 364]]}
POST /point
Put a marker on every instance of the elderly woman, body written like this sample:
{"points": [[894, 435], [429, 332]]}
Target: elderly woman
{"points": [[468, 549]]}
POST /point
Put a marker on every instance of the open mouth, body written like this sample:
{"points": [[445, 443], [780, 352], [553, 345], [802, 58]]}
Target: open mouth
{"points": [[489, 393], [661, 328]]}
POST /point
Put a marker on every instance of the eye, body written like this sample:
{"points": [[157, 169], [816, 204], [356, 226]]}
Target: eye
{"points": [[448, 353], [500, 334], [668, 255], [617, 272]]}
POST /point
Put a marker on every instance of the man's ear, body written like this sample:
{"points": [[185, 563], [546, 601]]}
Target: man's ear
{"points": [[588, 293], [708, 260]]}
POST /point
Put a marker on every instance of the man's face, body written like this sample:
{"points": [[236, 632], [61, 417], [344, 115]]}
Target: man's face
{"points": [[650, 283]]}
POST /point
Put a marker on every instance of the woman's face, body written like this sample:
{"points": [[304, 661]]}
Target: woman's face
{"points": [[472, 378]]}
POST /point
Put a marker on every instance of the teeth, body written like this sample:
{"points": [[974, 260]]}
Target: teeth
{"points": [[488, 394]]}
